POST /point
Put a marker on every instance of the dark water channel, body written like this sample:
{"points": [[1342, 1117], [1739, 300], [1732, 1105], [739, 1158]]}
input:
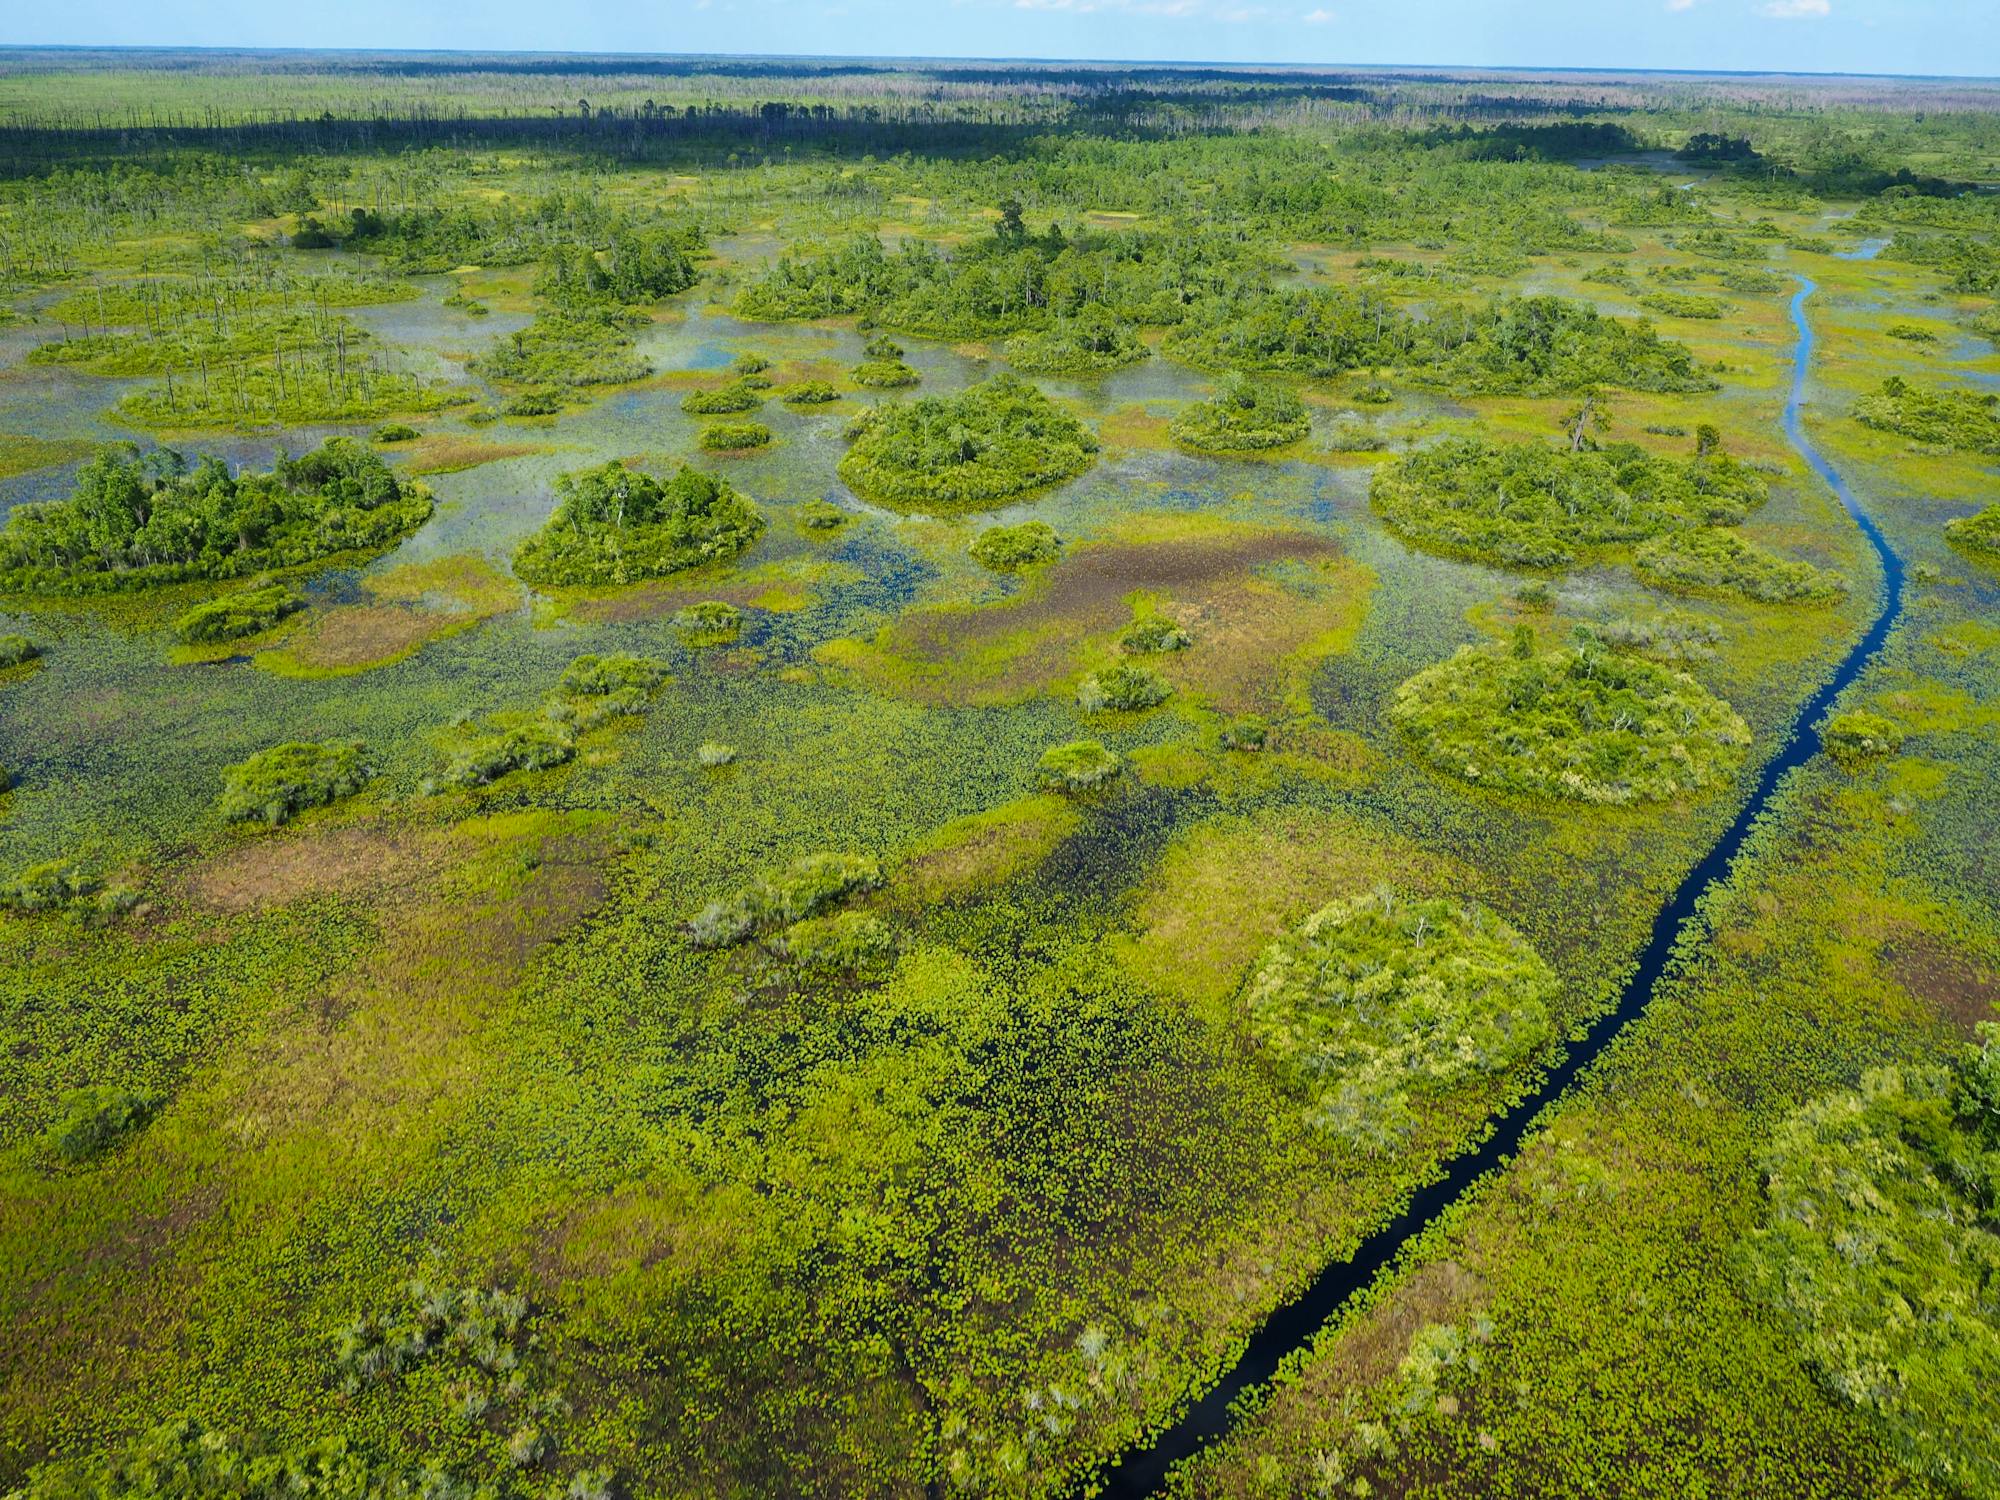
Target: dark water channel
{"points": [[1292, 1327]]}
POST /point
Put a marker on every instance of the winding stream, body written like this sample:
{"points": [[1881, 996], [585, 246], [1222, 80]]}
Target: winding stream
{"points": [[1293, 1326]]}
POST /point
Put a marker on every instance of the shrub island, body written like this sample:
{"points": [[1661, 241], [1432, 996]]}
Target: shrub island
{"points": [[276, 785], [1708, 560], [1244, 416], [230, 617], [734, 437], [1090, 343], [988, 443], [1079, 766], [1978, 533], [1008, 549], [614, 524]]}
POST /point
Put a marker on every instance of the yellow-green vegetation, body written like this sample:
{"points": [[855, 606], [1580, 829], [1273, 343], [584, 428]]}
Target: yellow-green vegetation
{"points": [[1377, 1001], [1685, 304], [96, 1119], [1091, 343], [1707, 560], [596, 688], [137, 520], [229, 617], [709, 622], [1579, 723], [1944, 419], [733, 437], [16, 650], [1080, 766], [1879, 1248], [1857, 737], [276, 785], [736, 395], [884, 374], [1244, 416], [990, 442], [1124, 688], [1008, 549], [23, 455], [1531, 505], [615, 524], [58, 885], [1978, 533], [809, 393], [809, 886]]}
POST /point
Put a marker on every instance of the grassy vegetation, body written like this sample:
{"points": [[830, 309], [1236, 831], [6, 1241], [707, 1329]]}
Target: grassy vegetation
{"points": [[1008, 549], [229, 617], [1947, 419]]}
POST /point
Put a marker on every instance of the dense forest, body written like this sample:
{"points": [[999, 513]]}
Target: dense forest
{"points": [[731, 777]]}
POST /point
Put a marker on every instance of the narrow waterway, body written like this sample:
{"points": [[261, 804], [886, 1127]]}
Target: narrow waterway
{"points": [[1293, 1326]]}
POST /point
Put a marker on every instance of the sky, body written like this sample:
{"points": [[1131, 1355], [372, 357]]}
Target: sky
{"points": [[1955, 37]]}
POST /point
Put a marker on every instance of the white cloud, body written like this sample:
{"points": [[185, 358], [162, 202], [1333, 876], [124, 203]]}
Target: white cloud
{"points": [[1317, 17], [1680, 4], [1799, 10]]}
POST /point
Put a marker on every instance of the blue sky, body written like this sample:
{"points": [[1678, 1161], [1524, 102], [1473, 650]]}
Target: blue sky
{"points": [[1854, 36]]}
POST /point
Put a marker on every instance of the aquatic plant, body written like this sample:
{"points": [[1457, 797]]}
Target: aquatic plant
{"points": [[823, 515], [613, 524], [92, 1120], [857, 944]]}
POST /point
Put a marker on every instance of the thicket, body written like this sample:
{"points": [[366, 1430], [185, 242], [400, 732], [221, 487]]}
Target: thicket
{"points": [[613, 524], [138, 520], [1684, 304], [1880, 1248], [16, 650], [478, 755], [809, 886], [733, 437], [1858, 736], [1708, 560], [1089, 343], [1080, 766], [92, 1120], [993, 440], [737, 395], [1123, 688], [276, 785], [1579, 723], [1978, 533], [1965, 420], [229, 617], [566, 350], [809, 393], [1008, 549], [1375, 1002], [1244, 416], [1528, 504], [709, 622], [595, 688]]}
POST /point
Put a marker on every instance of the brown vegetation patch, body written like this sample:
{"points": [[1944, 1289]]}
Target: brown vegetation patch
{"points": [[660, 599], [359, 635], [1960, 989], [272, 871], [449, 452]]}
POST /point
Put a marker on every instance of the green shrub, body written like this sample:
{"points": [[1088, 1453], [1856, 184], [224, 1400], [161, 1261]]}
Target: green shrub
{"points": [[93, 1119], [138, 520], [617, 525], [709, 623], [1709, 560], [277, 784], [1355, 437], [734, 437], [750, 363], [1246, 732], [231, 616], [1581, 723], [1911, 333], [481, 756], [1242, 417], [857, 944], [809, 393], [883, 347], [810, 886], [568, 349], [1878, 1248], [1852, 739], [711, 755], [1545, 345], [58, 885], [1079, 766], [532, 403], [883, 374], [989, 442], [1373, 393], [823, 515], [1978, 533], [1965, 420], [1672, 637], [1090, 343], [1685, 304], [596, 688], [1008, 549], [1123, 689], [1379, 1000], [1527, 504], [394, 432], [738, 395], [1152, 635], [16, 649]]}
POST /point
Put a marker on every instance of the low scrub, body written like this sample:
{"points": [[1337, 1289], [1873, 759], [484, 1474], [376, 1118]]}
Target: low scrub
{"points": [[1008, 549], [94, 1119], [989, 442], [1855, 738], [613, 524], [734, 437], [1080, 766], [1709, 560], [273, 786], [1244, 416], [1978, 533], [1968, 421], [1091, 343], [230, 617], [1580, 723], [808, 887], [737, 395], [1123, 689]]}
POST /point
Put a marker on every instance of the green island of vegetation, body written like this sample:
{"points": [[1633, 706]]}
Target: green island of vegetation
{"points": [[1978, 533], [615, 524], [229, 617], [140, 520], [1091, 343], [1008, 549], [1709, 560], [1243, 416], [1580, 723], [276, 785], [1946, 419], [990, 442], [1532, 505]]}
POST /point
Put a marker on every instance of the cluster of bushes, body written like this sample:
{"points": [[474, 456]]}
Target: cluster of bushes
{"points": [[596, 688], [1152, 634], [592, 689], [734, 437], [1547, 345], [230, 617], [884, 373], [737, 395], [1674, 637], [1243, 416], [91, 1120], [1684, 304], [993, 440], [394, 432], [1709, 560], [58, 885], [1123, 689], [1964, 420], [809, 393], [1527, 504], [1008, 549], [1090, 343], [850, 944], [808, 887], [1379, 999], [1854, 738], [711, 622], [612, 524], [136, 520], [275, 785], [823, 515], [565, 351], [1880, 1250], [1079, 766], [1977, 533], [1578, 723], [17, 650]]}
